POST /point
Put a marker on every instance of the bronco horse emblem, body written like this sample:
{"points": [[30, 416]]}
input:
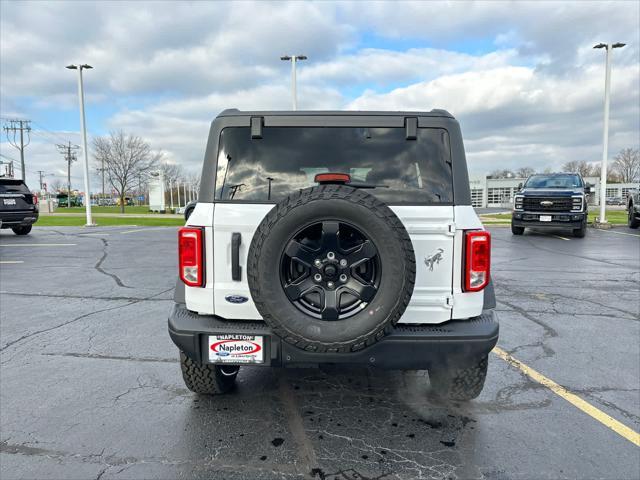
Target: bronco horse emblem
{"points": [[433, 259]]}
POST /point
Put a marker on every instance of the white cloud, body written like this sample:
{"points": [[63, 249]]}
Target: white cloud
{"points": [[515, 116], [522, 77]]}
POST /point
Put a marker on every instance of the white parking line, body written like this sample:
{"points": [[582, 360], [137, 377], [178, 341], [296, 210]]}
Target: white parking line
{"points": [[561, 238], [10, 262], [38, 245]]}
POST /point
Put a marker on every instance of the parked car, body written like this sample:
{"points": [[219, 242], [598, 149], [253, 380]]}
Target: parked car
{"points": [[633, 208], [106, 202], [18, 206], [128, 201], [366, 251], [614, 201], [63, 200], [554, 200]]}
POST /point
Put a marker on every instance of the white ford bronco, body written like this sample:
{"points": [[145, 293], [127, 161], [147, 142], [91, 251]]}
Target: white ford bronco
{"points": [[335, 238]]}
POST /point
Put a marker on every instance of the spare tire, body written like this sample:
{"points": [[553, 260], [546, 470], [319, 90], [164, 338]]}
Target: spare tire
{"points": [[331, 269]]}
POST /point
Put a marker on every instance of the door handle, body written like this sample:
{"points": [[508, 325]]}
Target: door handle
{"points": [[236, 269]]}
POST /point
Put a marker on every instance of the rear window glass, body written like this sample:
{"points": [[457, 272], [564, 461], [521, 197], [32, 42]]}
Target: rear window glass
{"points": [[13, 186], [287, 159]]}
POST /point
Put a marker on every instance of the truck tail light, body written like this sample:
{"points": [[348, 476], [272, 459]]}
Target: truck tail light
{"points": [[191, 256], [35, 199], [477, 260]]}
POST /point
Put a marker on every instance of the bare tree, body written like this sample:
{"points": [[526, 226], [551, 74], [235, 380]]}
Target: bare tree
{"points": [[55, 186], [172, 173], [502, 173], [524, 172], [128, 160], [627, 165], [580, 166], [612, 175]]}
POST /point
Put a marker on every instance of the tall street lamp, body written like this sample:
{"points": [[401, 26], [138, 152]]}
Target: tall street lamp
{"points": [[293, 59], [83, 126], [602, 221]]}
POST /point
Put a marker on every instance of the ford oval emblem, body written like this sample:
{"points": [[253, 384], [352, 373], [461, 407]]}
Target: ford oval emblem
{"points": [[236, 299]]}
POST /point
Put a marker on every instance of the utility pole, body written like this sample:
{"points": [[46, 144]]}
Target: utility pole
{"points": [[8, 169], [294, 93], [41, 174], [70, 156], [14, 127], [602, 221]]}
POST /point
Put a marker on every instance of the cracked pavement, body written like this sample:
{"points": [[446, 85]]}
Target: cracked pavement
{"points": [[90, 385]]}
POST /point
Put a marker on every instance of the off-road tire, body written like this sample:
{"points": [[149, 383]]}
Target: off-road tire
{"points": [[205, 379], [517, 230], [23, 230], [580, 232], [459, 384], [345, 204], [632, 221]]}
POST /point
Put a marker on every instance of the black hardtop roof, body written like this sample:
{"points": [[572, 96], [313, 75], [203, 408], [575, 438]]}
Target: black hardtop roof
{"points": [[234, 112]]}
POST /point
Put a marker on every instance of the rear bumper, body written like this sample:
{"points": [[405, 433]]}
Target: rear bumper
{"points": [[17, 219], [407, 347], [558, 220]]}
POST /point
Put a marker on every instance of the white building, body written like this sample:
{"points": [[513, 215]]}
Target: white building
{"points": [[499, 192]]}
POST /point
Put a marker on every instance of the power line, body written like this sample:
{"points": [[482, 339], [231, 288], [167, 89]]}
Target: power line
{"points": [[45, 137], [15, 126], [53, 134], [8, 157]]}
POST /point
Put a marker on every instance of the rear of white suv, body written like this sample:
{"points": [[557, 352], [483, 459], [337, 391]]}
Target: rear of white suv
{"points": [[335, 237]]}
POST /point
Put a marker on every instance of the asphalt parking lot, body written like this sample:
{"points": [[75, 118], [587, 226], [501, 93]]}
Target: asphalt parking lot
{"points": [[90, 385]]}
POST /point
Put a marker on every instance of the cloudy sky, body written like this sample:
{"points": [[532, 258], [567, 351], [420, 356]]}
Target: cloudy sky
{"points": [[521, 77]]}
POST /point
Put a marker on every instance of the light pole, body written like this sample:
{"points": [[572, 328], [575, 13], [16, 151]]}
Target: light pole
{"points": [[83, 126], [293, 59], [605, 137]]}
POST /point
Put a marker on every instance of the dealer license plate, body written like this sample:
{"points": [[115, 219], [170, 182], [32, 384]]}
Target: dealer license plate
{"points": [[545, 218], [9, 201], [236, 349]]}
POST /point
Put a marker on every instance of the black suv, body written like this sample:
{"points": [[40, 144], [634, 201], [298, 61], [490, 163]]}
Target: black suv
{"points": [[18, 206], [554, 200]]}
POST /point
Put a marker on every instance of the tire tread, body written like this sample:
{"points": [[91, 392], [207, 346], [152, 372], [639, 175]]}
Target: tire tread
{"points": [[332, 192], [204, 379]]}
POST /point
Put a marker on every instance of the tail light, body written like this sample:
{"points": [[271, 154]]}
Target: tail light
{"points": [[35, 199], [191, 256], [477, 260]]}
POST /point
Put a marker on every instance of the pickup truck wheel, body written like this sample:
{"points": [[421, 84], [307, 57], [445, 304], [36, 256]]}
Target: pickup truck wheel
{"points": [[517, 230], [632, 221], [331, 269], [23, 230], [459, 384], [207, 379], [580, 232]]}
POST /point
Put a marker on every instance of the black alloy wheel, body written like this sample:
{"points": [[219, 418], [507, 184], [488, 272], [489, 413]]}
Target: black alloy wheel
{"points": [[330, 270]]}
